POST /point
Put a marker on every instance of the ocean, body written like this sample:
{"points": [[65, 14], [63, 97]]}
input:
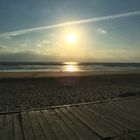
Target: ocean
{"points": [[66, 66]]}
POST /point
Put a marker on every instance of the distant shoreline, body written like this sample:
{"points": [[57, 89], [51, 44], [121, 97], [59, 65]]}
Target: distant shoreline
{"points": [[43, 74]]}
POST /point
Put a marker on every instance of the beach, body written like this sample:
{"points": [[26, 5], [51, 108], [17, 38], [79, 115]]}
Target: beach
{"points": [[33, 90]]}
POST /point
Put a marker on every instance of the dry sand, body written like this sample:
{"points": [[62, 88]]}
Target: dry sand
{"points": [[30, 90]]}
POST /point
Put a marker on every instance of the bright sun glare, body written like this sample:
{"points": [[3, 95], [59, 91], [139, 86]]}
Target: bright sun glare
{"points": [[71, 68], [71, 38]]}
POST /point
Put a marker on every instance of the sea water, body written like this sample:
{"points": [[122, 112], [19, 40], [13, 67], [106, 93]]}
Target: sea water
{"points": [[67, 66]]}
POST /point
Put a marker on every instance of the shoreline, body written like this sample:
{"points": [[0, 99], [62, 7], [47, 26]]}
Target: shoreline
{"points": [[44, 74]]}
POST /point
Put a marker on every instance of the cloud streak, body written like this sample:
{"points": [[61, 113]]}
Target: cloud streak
{"points": [[101, 31], [82, 21]]}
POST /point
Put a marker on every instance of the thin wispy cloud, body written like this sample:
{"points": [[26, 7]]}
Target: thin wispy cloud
{"points": [[101, 31], [83, 21]]}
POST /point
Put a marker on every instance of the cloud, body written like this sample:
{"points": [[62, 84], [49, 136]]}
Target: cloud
{"points": [[101, 31], [27, 55], [44, 44], [98, 55], [25, 31], [6, 49], [2, 47], [115, 55]]}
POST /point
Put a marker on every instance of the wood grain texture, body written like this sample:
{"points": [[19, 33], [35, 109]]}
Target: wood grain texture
{"points": [[110, 120]]}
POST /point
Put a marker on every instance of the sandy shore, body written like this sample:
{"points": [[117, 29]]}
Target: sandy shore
{"points": [[22, 91], [37, 74]]}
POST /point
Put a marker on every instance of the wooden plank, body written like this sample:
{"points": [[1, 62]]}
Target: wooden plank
{"points": [[123, 137], [134, 101], [18, 135], [2, 117], [127, 136], [83, 130], [125, 111], [99, 125], [125, 104], [69, 123], [8, 128], [56, 128], [119, 116], [131, 100], [134, 136], [129, 111], [127, 115], [134, 109], [85, 122], [2, 122], [45, 126], [38, 133], [113, 123], [27, 128], [118, 138], [104, 113], [70, 134]]}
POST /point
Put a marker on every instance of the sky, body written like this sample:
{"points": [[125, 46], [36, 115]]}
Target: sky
{"points": [[37, 30]]}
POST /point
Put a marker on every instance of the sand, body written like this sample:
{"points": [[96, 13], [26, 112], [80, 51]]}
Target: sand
{"points": [[31, 90], [43, 74]]}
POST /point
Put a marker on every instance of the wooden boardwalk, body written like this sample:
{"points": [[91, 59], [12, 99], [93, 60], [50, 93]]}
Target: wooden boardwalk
{"points": [[110, 120]]}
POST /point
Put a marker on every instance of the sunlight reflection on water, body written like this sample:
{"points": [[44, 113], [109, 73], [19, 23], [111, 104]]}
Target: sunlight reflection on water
{"points": [[70, 67]]}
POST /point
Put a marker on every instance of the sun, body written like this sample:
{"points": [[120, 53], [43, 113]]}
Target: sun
{"points": [[71, 38]]}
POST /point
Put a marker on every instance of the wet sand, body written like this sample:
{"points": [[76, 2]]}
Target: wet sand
{"points": [[43, 74], [30, 90]]}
